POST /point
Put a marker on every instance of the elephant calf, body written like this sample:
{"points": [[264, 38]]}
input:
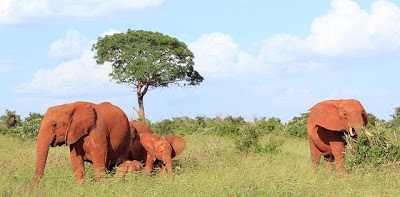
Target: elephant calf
{"points": [[152, 150], [161, 151], [129, 167]]}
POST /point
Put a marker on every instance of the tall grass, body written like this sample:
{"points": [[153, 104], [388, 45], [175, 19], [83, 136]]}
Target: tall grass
{"points": [[224, 157], [209, 166]]}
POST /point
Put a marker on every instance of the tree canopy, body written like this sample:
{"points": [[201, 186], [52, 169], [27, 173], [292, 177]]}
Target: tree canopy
{"points": [[146, 59]]}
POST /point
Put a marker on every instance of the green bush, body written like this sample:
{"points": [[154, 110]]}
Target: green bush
{"points": [[381, 149], [248, 140], [297, 127], [271, 125], [10, 119], [179, 126], [228, 126], [29, 129], [33, 116]]}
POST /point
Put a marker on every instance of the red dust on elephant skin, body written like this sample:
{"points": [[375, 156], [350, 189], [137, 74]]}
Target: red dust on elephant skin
{"points": [[327, 124], [95, 133]]}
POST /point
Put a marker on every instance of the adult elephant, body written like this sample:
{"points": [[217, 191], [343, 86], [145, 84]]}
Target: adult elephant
{"points": [[137, 150], [95, 133], [327, 124]]}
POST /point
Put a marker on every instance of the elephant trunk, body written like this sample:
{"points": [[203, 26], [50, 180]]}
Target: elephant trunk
{"points": [[42, 149]]}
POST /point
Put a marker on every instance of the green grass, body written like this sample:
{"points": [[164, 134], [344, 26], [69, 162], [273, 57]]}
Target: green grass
{"points": [[209, 166]]}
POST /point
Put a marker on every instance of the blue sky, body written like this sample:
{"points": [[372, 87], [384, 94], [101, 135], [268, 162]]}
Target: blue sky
{"points": [[258, 58]]}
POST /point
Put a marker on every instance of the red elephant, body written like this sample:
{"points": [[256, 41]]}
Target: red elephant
{"points": [[328, 121]]}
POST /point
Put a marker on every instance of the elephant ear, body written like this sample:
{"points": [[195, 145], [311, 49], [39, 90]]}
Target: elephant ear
{"points": [[83, 119], [148, 142], [326, 114], [134, 132], [365, 117], [177, 143]]}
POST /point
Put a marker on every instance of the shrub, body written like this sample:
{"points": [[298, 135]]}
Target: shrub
{"points": [[248, 140], [179, 126], [228, 126], [297, 127], [271, 125], [10, 119], [394, 123], [382, 148], [33, 116], [29, 129]]}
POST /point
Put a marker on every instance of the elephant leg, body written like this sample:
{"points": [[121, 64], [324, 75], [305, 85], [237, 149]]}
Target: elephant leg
{"points": [[149, 165], [328, 164], [99, 164], [77, 164], [162, 168], [338, 154], [315, 155]]}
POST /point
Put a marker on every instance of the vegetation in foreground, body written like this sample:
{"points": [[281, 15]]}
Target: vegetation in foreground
{"points": [[210, 166], [224, 157]]}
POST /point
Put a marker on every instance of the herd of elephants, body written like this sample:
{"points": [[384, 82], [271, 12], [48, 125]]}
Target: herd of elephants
{"points": [[102, 135]]}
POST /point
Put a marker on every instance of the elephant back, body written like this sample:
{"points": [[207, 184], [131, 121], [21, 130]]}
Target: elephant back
{"points": [[139, 127]]}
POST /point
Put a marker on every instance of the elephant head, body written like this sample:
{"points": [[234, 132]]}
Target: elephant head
{"points": [[162, 149], [62, 124], [340, 115]]}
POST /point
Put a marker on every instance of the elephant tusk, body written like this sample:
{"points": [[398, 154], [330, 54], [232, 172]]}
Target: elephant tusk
{"points": [[367, 133], [351, 132]]}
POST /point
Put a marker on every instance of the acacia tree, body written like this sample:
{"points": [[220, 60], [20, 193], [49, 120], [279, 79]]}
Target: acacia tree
{"points": [[145, 60]]}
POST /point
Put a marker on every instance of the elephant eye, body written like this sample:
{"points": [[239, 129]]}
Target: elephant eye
{"points": [[54, 124]]}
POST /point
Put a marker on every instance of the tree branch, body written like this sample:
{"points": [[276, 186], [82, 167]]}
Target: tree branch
{"points": [[146, 87], [137, 112]]}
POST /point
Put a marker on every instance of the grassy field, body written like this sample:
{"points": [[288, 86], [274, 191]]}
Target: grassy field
{"points": [[210, 166]]}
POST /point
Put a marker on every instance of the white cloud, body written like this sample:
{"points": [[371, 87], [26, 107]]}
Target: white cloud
{"points": [[25, 11], [81, 76], [348, 29], [346, 33], [217, 55], [69, 47]]}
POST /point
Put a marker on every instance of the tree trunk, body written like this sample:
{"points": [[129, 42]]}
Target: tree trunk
{"points": [[141, 109], [140, 94]]}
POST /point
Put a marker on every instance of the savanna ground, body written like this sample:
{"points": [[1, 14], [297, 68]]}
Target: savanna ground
{"points": [[209, 166]]}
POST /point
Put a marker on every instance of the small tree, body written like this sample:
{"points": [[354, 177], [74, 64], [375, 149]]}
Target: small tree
{"points": [[10, 119], [145, 59]]}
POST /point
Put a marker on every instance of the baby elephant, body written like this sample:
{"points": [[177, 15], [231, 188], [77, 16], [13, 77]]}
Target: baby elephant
{"points": [[129, 167], [161, 151]]}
